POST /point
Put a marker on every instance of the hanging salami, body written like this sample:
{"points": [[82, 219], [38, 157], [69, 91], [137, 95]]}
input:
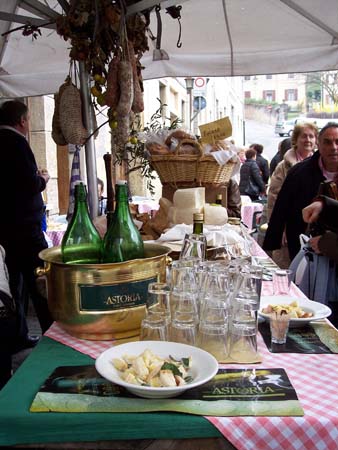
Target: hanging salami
{"points": [[125, 80], [138, 104], [112, 94]]}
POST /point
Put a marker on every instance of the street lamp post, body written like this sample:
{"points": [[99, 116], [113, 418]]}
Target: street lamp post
{"points": [[189, 85]]}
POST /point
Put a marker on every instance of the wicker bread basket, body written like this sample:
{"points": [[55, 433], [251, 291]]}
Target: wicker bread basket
{"points": [[210, 172], [178, 168]]}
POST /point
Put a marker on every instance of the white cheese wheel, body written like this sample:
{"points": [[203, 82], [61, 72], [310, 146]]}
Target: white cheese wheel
{"points": [[189, 198], [215, 214]]}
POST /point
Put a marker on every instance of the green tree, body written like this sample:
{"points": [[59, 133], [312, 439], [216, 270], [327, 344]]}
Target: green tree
{"points": [[320, 82]]}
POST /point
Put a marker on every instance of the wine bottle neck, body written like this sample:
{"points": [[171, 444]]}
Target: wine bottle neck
{"points": [[80, 195], [198, 228], [219, 199], [122, 200]]}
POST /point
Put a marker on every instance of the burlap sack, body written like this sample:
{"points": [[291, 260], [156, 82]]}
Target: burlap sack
{"points": [[71, 116]]}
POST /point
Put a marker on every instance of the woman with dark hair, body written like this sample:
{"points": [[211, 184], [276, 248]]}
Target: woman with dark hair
{"points": [[283, 147], [251, 182], [262, 163]]}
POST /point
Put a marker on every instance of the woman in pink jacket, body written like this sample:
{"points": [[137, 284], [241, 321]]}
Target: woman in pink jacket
{"points": [[304, 141]]}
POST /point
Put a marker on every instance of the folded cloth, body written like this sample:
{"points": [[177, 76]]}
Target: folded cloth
{"points": [[216, 236], [223, 156]]}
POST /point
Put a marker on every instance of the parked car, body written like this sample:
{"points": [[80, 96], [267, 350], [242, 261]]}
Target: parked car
{"points": [[285, 127]]}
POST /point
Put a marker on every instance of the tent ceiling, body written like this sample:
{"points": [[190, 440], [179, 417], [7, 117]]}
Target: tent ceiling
{"points": [[262, 36]]}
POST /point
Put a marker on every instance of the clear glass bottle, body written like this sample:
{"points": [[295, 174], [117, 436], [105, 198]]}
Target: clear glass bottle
{"points": [[81, 243], [122, 241]]}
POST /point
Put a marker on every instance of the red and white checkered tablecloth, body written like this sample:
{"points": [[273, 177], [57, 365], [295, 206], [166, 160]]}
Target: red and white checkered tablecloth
{"points": [[91, 348], [315, 378], [247, 213], [55, 236]]}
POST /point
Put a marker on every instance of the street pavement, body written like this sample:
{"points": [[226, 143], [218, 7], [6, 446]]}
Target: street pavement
{"points": [[262, 133]]}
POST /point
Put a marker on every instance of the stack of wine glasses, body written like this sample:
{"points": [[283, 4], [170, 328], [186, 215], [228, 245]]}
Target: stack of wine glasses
{"points": [[211, 304]]}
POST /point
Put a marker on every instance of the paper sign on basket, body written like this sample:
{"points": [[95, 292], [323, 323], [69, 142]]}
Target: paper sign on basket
{"points": [[215, 131]]}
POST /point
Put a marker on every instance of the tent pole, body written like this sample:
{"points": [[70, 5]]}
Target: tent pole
{"points": [[90, 146]]}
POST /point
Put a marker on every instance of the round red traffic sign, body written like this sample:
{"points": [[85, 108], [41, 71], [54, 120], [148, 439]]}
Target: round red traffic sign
{"points": [[199, 82]]}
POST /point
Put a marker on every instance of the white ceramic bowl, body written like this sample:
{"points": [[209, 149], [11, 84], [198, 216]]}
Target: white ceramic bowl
{"points": [[318, 310], [204, 366]]}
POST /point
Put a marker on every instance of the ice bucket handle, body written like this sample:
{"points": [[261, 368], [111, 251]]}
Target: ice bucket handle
{"points": [[42, 271], [168, 261]]}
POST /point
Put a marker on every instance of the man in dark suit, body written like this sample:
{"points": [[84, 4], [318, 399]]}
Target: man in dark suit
{"points": [[21, 184]]}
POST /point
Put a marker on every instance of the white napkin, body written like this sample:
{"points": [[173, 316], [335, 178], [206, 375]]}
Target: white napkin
{"points": [[216, 236]]}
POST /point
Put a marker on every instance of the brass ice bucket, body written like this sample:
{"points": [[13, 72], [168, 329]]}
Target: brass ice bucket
{"points": [[101, 301]]}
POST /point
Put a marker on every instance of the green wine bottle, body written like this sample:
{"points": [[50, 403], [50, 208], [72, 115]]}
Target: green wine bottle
{"points": [[219, 199], [122, 241], [81, 243], [198, 219]]}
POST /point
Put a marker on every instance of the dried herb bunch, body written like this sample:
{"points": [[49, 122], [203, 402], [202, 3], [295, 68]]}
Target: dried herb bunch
{"points": [[135, 154], [94, 29]]}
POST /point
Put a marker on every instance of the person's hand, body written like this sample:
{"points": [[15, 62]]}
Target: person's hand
{"points": [[311, 212], [44, 174], [314, 244], [284, 239]]}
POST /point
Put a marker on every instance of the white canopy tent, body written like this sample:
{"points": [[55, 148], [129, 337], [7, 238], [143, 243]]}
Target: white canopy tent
{"points": [[219, 38]]}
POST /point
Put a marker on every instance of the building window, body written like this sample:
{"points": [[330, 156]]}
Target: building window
{"points": [[247, 94], [291, 95], [269, 96], [247, 77], [269, 77]]}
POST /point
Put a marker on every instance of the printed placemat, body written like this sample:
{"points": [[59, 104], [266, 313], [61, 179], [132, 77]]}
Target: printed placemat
{"points": [[315, 337], [232, 392]]}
